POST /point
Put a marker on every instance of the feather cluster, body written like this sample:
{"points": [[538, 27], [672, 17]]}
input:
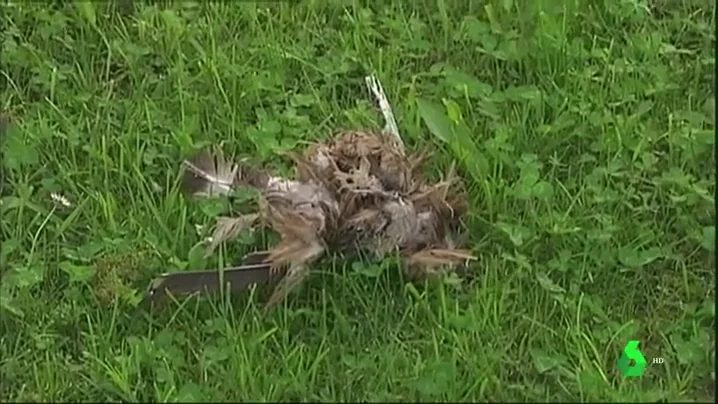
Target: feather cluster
{"points": [[358, 190]]}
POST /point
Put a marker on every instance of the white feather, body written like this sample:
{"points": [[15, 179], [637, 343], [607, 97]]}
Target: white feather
{"points": [[391, 127]]}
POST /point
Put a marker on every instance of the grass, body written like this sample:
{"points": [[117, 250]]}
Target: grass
{"points": [[584, 131]]}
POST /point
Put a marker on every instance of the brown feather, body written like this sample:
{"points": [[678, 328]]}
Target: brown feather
{"points": [[403, 222], [306, 170], [431, 262], [228, 228], [286, 252], [297, 272], [294, 277]]}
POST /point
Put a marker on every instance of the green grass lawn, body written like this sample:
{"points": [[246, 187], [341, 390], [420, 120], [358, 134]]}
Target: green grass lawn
{"points": [[584, 132]]}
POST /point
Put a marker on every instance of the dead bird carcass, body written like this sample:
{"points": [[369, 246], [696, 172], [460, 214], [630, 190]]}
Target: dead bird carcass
{"points": [[357, 190]]}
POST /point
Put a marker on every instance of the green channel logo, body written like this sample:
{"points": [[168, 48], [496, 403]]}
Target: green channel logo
{"points": [[631, 352]]}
